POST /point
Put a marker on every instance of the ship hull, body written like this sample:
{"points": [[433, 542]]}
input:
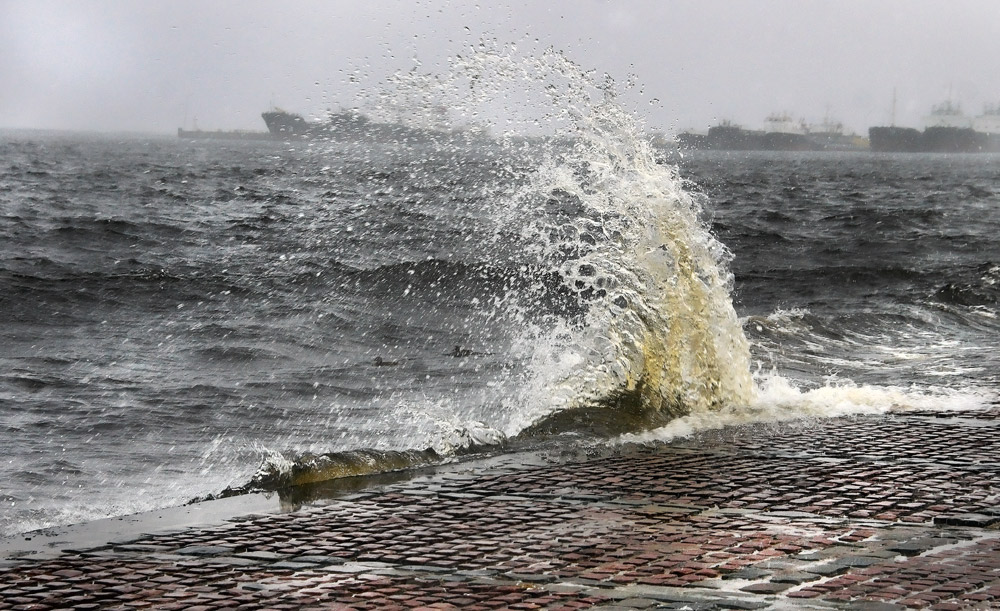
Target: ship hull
{"points": [[286, 125], [953, 140], [728, 137], [931, 140], [734, 138], [353, 126], [893, 139]]}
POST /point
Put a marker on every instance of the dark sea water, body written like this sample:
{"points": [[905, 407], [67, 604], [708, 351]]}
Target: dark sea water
{"points": [[175, 316]]}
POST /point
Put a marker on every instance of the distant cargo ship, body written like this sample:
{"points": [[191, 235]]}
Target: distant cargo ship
{"points": [[354, 125], [781, 133], [947, 130], [345, 123]]}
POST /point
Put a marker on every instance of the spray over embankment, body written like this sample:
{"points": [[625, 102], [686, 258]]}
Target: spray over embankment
{"points": [[655, 334], [602, 299], [608, 300]]}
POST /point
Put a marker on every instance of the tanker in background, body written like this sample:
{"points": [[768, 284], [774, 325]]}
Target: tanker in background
{"points": [[946, 130], [353, 125], [781, 133]]}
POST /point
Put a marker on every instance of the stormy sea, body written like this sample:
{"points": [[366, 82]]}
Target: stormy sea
{"points": [[179, 319]]}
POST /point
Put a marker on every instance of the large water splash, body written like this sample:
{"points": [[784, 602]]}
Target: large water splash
{"points": [[617, 294], [657, 330]]}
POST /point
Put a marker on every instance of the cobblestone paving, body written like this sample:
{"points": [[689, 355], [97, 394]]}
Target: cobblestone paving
{"points": [[881, 512]]}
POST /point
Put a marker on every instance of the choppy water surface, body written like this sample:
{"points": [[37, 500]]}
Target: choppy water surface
{"points": [[175, 313]]}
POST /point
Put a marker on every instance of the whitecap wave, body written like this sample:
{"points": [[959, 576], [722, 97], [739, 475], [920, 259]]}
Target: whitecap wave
{"points": [[780, 400]]}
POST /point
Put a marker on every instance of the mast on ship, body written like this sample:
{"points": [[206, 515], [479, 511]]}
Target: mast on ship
{"points": [[892, 121]]}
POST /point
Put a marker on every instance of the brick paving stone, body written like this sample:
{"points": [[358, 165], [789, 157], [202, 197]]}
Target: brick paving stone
{"points": [[864, 512]]}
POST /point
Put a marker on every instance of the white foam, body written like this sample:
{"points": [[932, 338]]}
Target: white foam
{"points": [[780, 400], [627, 238]]}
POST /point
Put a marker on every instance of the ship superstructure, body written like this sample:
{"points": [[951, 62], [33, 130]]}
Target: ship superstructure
{"points": [[947, 114]]}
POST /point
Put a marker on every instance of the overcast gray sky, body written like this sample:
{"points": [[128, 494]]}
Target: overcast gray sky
{"points": [[158, 65]]}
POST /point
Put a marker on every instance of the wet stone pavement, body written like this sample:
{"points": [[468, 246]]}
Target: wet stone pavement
{"points": [[899, 511]]}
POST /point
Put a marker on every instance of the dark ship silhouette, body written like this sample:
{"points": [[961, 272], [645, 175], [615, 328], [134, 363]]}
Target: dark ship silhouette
{"points": [[948, 130], [351, 125], [781, 133]]}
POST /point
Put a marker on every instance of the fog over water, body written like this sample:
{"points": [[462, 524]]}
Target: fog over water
{"points": [[155, 66]]}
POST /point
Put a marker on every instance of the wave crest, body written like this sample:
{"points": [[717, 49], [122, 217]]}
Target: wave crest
{"points": [[657, 323]]}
